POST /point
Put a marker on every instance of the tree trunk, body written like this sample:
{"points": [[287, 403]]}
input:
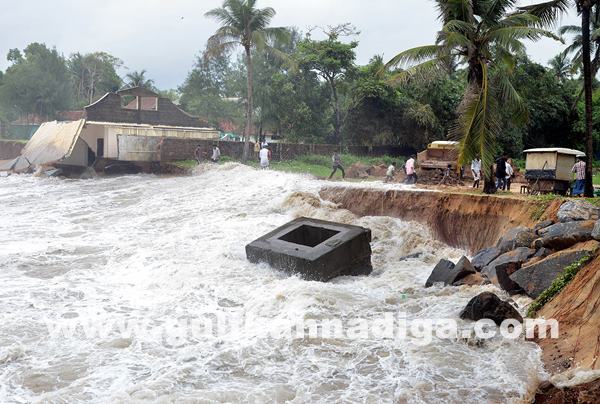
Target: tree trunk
{"points": [[249, 82], [587, 89], [336, 106]]}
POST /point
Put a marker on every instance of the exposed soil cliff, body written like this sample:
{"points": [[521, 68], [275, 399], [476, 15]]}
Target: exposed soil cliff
{"points": [[465, 221], [577, 310]]}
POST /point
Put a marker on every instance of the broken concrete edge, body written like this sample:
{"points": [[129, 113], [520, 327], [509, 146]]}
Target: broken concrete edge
{"points": [[338, 250]]}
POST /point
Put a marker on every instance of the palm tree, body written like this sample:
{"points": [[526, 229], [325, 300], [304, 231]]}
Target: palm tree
{"points": [[244, 24], [576, 46], [484, 35], [561, 67], [548, 12], [138, 79]]}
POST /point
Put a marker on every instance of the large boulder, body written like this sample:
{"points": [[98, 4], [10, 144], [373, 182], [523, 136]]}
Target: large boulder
{"points": [[577, 210], [499, 270], [488, 305], [475, 279], [447, 272], [484, 257], [542, 225], [515, 238], [596, 230], [564, 235], [536, 277]]}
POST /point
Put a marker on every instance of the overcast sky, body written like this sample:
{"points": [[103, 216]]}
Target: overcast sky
{"points": [[165, 36]]}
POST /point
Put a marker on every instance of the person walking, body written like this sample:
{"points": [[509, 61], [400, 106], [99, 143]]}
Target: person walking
{"points": [[509, 174], [409, 167], [216, 154], [198, 154], [476, 170], [391, 171], [501, 173], [579, 170], [264, 157], [337, 164]]}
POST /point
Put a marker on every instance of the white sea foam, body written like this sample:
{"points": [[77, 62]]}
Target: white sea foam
{"points": [[144, 248]]}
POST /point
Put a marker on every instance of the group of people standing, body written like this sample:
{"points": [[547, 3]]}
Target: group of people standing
{"points": [[503, 173], [200, 155]]}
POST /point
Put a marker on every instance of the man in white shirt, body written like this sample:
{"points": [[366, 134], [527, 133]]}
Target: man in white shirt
{"points": [[264, 157], [509, 173], [476, 170], [216, 154], [389, 176], [411, 175]]}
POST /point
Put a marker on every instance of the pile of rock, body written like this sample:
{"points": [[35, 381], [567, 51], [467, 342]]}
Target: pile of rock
{"points": [[435, 177], [359, 170], [527, 260]]}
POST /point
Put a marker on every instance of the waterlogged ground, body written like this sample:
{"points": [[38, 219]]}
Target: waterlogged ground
{"points": [[135, 265]]}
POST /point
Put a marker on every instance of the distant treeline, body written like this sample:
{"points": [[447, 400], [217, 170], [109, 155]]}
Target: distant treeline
{"points": [[293, 97]]}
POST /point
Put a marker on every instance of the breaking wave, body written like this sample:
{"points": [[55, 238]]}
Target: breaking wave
{"points": [[146, 248]]}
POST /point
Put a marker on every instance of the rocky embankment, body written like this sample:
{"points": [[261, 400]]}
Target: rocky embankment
{"points": [[547, 252]]}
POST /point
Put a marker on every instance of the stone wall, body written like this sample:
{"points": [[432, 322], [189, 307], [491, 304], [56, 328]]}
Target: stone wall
{"points": [[183, 149], [9, 149]]}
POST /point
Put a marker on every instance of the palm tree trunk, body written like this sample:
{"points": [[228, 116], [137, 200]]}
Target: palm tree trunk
{"points": [[250, 107], [587, 87]]}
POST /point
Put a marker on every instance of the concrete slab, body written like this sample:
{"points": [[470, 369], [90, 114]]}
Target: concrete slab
{"points": [[315, 249]]}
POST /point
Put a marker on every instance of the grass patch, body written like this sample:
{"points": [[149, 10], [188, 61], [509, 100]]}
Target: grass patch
{"points": [[320, 166], [558, 285], [542, 202]]}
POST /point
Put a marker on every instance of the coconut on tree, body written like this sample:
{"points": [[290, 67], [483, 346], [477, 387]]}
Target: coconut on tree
{"points": [[243, 24], [485, 36]]}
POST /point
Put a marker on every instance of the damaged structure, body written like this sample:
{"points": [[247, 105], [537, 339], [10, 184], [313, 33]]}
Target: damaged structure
{"points": [[126, 127], [315, 249]]}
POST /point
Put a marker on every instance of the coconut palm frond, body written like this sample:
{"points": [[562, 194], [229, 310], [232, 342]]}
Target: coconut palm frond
{"points": [[414, 56], [503, 36], [477, 126], [422, 72], [549, 11]]}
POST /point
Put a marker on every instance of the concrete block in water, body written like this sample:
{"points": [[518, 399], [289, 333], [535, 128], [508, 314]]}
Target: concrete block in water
{"points": [[315, 249]]}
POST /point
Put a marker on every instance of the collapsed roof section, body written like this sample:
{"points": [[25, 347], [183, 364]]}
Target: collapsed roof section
{"points": [[53, 142]]}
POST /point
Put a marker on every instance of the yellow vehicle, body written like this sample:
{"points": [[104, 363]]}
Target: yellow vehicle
{"points": [[438, 155]]}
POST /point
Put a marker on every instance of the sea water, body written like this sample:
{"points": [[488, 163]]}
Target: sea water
{"points": [[158, 252]]}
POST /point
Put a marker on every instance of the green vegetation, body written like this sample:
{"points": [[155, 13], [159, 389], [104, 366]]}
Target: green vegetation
{"points": [[558, 285], [243, 24], [486, 36], [306, 87]]}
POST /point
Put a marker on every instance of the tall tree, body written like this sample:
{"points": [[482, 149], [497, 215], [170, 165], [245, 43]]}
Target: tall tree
{"points": [[244, 24], [93, 75], [206, 90], [37, 82], [139, 79], [333, 61], [485, 35], [548, 12]]}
